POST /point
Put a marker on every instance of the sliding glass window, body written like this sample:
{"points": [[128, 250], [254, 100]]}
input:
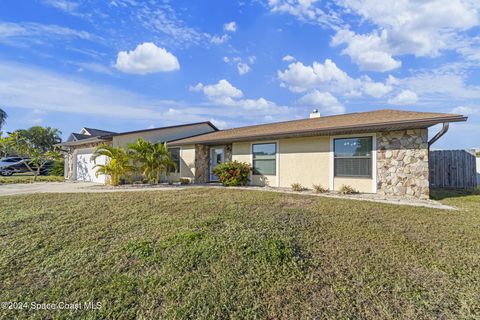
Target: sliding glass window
{"points": [[353, 157], [264, 159]]}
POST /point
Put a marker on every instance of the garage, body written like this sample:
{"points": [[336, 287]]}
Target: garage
{"points": [[85, 167]]}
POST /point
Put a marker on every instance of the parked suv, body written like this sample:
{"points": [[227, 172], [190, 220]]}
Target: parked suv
{"points": [[7, 162], [11, 165]]}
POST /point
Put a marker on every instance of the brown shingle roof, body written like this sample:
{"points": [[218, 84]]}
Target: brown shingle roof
{"points": [[380, 120]]}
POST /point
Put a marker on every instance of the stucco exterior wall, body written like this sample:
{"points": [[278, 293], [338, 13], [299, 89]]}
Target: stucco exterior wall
{"points": [[160, 135], [305, 161], [363, 185], [187, 162], [402, 163], [242, 152], [187, 165]]}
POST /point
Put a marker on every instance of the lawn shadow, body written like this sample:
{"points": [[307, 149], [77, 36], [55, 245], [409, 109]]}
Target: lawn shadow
{"points": [[441, 194]]}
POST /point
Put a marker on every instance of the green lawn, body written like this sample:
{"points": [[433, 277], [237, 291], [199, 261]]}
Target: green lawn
{"points": [[28, 178], [231, 254]]}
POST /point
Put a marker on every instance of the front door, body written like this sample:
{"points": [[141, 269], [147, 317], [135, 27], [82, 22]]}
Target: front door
{"points": [[217, 156]]}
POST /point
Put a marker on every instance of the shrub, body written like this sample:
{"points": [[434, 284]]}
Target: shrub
{"points": [[319, 188], [58, 168], [297, 187], [184, 180], [233, 173], [346, 189]]}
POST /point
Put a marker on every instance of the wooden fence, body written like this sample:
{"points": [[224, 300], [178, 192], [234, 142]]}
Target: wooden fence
{"points": [[452, 169]]}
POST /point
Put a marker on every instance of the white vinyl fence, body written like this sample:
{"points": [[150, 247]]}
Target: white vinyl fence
{"points": [[478, 171]]}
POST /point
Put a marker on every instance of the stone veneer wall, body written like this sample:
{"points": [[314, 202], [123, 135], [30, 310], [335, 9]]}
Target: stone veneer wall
{"points": [[68, 156], [402, 163], [202, 160]]}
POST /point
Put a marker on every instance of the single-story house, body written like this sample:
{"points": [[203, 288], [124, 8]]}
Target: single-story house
{"points": [[383, 151], [79, 147], [478, 169]]}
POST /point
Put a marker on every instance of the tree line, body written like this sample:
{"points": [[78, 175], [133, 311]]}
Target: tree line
{"points": [[36, 144]]}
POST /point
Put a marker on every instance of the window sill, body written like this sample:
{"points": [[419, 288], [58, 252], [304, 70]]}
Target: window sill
{"points": [[354, 177]]}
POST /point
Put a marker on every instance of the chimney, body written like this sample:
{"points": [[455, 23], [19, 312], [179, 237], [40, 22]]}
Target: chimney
{"points": [[315, 114]]}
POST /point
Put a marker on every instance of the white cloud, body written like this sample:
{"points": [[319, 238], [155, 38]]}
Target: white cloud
{"points": [[23, 86], [29, 33], [221, 91], [466, 110], [442, 85], [224, 93], [404, 97], [422, 28], [64, 5], [376, 89], [325, 102], [159, 19], [243, 68], [39, 90], [288, 58], [146, 58], [305, 10], [370, 52], [92, 66], [328, 77], [299, 77], [220, 124], [230, 27], [173, 112], [219, 39]]}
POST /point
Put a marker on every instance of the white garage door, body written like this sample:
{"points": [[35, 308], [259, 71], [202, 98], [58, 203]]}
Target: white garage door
{"points": [[84, 167]]}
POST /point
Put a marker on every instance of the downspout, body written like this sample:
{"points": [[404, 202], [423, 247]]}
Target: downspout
{"points": [[439, 134]]}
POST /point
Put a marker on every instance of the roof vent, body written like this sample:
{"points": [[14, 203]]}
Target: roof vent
{"points": [[315, 114]]}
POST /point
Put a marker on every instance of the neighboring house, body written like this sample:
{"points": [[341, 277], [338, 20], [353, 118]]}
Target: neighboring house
{"points": [[478, 169], [80, 146], [384, 151]]}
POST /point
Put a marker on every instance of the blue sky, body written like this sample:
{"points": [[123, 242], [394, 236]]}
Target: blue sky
{"points": [[125, 64]]}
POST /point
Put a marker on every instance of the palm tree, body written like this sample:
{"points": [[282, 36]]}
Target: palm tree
{"points": [[118, 163], [3, 118], [153, 159]]}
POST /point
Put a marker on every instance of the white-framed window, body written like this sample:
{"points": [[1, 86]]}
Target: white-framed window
{"points": [[353, 157], [264, 158]]}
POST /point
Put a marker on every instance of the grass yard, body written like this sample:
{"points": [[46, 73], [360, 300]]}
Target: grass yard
{"points": [[231, 254], [28, 178]]}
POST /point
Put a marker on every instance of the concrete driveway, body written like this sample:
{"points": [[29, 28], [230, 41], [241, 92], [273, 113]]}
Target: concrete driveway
{"points": [[69, 187]]}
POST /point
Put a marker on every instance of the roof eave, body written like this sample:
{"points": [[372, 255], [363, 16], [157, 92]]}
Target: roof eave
{"points": [[401, 125], [82, 142], [163, 128]]}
